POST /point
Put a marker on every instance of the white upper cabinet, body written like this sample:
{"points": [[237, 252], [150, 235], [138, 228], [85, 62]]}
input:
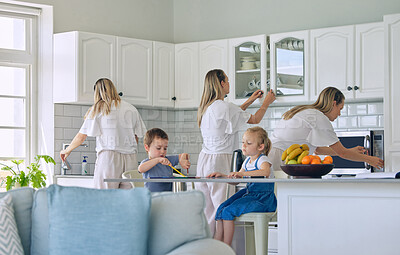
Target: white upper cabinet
{"points": [[392, 92], [290, 66], [370, 60], [247, 67], [213, 55], [187, 75], [349, 58], [163, 74], [332, 59], [80, 59], [135, 70]]}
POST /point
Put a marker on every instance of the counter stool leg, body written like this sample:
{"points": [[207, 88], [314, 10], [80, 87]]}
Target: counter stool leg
{"points": [[261, 235]]}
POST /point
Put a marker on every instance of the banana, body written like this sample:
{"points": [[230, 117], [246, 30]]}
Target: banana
{"points": [[294, 153], [305, 147], [287, 160], [302, 155], [292, 148], [284, 155]]}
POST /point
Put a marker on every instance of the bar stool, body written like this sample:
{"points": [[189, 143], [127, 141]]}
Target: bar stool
{"points": [[256, 231]]}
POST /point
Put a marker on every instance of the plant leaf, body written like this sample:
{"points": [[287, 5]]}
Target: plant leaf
{"points": [[46, 158]]}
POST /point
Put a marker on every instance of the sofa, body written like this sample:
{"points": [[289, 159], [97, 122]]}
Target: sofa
{"points": [[72, 220]]}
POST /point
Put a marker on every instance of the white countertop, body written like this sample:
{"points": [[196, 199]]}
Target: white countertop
{"points": [[261, 180], [73, 176]]}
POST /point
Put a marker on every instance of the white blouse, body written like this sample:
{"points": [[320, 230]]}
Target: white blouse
{"points": [[309, 126], [220, 125], [117, 130]]}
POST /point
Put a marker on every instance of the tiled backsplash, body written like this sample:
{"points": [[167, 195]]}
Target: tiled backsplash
{"points": [[184, 134]]}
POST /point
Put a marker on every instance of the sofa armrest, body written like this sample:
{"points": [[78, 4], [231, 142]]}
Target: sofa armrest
{"points": [[207, 246]]}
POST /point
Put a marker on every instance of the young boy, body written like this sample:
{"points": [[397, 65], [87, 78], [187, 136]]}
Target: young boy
{"points": [[158, 164]]}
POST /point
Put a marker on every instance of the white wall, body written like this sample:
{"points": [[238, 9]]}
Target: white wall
{"points": [[143, 19], [200, 20]]}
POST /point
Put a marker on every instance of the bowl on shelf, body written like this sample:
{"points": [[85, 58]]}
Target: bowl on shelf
{"points": [[307, 171]]}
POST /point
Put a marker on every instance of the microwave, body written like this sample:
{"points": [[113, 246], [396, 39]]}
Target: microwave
{"points": [[371, 140]]}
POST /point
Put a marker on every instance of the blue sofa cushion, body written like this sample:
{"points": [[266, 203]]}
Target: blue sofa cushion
{"points": [[22, 200], [40, 223], [176, 218], [93, 221]]}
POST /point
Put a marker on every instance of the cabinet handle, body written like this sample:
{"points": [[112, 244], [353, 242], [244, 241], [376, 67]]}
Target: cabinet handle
{"points": [[120, 94], [174, 98], [349, 88], [356, 87]]}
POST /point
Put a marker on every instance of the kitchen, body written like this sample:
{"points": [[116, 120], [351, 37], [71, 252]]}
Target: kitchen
{"points": [[197, 21]]}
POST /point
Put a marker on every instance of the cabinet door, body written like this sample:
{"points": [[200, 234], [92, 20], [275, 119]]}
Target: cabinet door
{"points": [[213, 55], [392, 92], [96, 60], [247, 67], [369, 60], [135, 65], [289, 65], [187, 75], [332, 59], [163, 74]]}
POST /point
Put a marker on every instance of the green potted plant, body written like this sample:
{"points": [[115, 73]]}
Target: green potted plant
{"points": [[32, 175]]}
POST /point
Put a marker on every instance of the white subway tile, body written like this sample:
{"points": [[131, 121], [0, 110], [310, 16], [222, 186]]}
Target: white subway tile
{"points": [[69, 133], [369, 121], [58, 133], [84, 109], [357, 109], [77, 122], [347, 122], [58, 109], [72, 110], [375, 108], [63, 122]]}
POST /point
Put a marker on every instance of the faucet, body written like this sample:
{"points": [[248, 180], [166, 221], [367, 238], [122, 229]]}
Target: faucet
{"points": [[65, 165]]}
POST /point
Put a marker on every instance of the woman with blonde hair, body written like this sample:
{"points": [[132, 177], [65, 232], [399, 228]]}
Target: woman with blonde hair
{"points": [[219, 122], [116, 125], [311, 125]]}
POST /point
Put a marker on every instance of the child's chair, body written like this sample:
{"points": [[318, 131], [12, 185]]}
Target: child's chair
{"points": [[133, 174], [256, 224]]}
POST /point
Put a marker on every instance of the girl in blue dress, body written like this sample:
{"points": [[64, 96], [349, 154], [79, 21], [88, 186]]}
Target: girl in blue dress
{"points": [[256, 197]]}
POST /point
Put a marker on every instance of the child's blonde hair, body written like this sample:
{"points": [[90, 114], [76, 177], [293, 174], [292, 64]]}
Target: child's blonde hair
{"points": [[262, 138]]}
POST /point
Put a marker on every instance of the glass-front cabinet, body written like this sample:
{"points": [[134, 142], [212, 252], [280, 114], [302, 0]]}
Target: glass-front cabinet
{"points": [[289, 66], [248, 67]]}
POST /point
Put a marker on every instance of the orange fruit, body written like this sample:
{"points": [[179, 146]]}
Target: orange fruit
{"points": [[328, 160], [316, 161], [306, 160]]}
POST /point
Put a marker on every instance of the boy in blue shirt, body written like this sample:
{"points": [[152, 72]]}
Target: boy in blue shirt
{"points": [[158, 164]]}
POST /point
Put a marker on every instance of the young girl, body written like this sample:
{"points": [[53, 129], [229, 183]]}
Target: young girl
{"points": [[256, 197], [219, 123]]}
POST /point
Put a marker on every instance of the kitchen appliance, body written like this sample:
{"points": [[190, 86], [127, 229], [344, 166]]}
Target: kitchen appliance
{"points": [[371, 140]]}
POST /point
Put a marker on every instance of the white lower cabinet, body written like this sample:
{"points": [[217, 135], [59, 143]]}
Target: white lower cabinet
{"points": [[77, 181]]}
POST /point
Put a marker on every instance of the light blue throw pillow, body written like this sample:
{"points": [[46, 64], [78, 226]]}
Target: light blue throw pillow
{"points": [[93, 221]]}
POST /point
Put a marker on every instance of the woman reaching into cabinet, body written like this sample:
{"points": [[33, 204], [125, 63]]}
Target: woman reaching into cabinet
{"points": [[219, 122], [311, 125], [116, 125]]}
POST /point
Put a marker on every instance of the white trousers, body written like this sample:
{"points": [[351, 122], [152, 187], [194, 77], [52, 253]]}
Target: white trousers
{"points": [[111, 165], [215, 193]]}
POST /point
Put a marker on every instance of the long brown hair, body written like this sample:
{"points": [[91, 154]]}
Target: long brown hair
{"points": [[212, 91], [262, 138], [324, 102], [105, 94]]}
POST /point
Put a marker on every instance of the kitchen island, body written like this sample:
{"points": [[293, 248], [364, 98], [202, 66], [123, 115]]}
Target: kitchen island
{"points": [[331, 216]]}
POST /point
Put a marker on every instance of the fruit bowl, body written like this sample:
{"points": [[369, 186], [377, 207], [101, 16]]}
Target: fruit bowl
{"points": [[307, 171]]}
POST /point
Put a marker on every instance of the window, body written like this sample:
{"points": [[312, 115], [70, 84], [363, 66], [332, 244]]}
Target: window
{"points": [[18, 72]]}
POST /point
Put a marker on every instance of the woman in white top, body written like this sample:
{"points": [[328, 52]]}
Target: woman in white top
{"points": [[219, 122], [311, 125], [116, 125]]}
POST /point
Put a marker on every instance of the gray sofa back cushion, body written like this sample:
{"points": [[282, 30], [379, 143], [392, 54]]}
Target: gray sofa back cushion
{"points": [[22, 200]]}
